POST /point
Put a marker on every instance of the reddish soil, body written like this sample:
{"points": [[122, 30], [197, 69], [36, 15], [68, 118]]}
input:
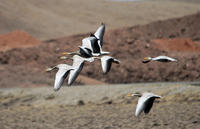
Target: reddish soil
{"points": [[176, 44], [17, 39], [25, 66]]}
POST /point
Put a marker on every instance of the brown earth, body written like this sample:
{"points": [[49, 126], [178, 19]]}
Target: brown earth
{"points": [[17, 39], [129, 44], [176, 44]]}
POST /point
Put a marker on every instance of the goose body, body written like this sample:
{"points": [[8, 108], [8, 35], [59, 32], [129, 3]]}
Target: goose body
{"points": [[159, 58], [63, 70]]}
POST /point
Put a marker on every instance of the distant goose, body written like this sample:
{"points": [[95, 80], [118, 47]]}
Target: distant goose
{"points": [[145, 102], [106, 63], [78, 63], [159, 58], [63, 70]]}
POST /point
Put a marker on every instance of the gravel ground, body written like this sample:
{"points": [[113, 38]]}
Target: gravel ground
{"points": [[99, 107]]}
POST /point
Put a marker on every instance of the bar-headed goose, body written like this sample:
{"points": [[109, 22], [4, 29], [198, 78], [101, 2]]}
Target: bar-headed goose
{"points": [[145, 102], [159, 58]]}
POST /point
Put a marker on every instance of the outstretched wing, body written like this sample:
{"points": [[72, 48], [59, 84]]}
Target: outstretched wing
{"points": [[100, 33], [60, 77], [149, 104], [140, 106], [106, 63], [74, 73]]}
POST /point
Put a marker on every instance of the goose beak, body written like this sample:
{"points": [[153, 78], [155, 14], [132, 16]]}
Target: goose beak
{"points": [[48, 69], [129, 95], [65, 53], [146, 60], [63, 57]]}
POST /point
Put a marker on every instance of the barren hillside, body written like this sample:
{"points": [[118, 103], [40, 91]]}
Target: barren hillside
{"points": [[130, 45]]}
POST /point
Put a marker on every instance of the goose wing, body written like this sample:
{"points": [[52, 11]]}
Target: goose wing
{"points": [[149, 104], [92, 44], [87, 43], [78, 63], [140, 106], [74, 74], [60, 76], [100, 33], [106, 62]]}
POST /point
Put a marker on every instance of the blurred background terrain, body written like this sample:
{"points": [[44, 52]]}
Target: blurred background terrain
{"points": [[54, 19], [33, 34]]}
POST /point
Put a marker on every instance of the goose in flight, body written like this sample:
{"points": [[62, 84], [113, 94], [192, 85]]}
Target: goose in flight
{"points": [[159, 58], [92, 45], [106, 63], [145, 102], [63, 70], [78, 63]]}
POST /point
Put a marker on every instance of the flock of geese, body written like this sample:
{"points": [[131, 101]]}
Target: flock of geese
{"points": [[90, 50]]}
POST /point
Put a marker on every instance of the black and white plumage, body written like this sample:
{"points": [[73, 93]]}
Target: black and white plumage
{"points": [[78, 63], [145, 102], [63, 71], [159, 58], [106, 63], [83, 52], [92, 45], [100, 33]]}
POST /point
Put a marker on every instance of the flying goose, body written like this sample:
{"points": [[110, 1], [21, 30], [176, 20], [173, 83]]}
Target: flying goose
{"points": [[63, 70], [145, 102], [92, 45], [78, 63], [159, 58]]}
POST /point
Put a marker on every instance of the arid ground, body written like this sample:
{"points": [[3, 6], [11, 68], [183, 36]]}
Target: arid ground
{"points": [[100, 107]]}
